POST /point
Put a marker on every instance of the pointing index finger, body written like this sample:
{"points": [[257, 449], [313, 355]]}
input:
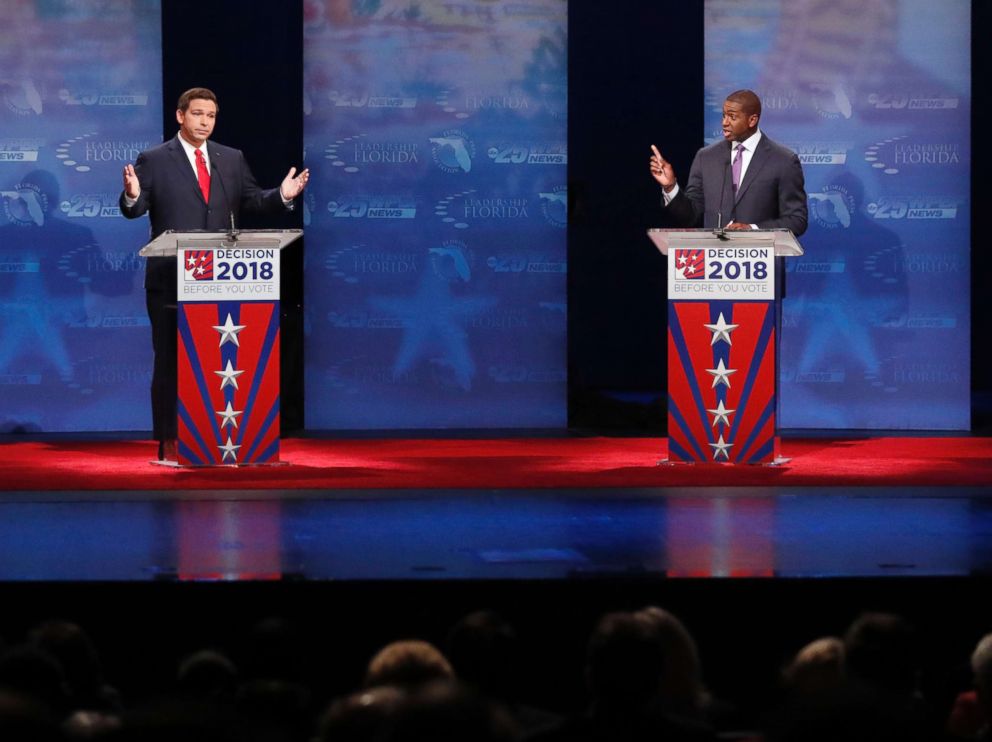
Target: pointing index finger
{"points": [[656, 152]]}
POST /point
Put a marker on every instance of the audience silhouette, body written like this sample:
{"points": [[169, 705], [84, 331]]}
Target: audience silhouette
{"points": [[642, 672]]}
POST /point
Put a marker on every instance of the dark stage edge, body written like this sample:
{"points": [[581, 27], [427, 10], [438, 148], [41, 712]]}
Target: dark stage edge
{"points": [[644, 534]]}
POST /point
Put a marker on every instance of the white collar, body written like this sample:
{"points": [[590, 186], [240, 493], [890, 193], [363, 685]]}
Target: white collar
{"points": [[190, 149], [751, 143]]}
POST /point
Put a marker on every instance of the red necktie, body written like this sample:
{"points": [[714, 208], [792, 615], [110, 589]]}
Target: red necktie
{"points": [[203, 175]]}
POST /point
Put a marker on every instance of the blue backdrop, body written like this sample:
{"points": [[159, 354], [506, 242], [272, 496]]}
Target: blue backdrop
{"points": [[80, 95], [435, 133], [875, 98]]}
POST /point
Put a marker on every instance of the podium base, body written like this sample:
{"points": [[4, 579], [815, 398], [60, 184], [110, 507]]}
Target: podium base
{"points": [[177, 465], [778, 461]]}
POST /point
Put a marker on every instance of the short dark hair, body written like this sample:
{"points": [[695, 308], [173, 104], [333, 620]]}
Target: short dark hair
{"points": [[196, 93], [748, 99]]}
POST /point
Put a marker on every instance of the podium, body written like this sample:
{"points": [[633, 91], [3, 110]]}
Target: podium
{"points": [[227, 286], [722, 342]]}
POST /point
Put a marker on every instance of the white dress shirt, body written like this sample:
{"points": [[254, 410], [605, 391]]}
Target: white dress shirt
{"points": [[191, 154], [750, 144]]}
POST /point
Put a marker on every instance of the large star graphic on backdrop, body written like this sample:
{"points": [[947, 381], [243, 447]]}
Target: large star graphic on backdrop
{"points": [[434, 321]]}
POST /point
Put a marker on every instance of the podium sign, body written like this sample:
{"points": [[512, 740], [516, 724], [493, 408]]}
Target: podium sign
{"points": [[721, 344], [228, 346], [718, 273]]}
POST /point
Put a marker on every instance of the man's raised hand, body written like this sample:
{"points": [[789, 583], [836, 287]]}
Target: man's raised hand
{"points": [[131, 185], [661, 170], [293, 186]]}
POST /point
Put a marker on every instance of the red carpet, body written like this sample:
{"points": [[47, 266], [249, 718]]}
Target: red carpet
{"points": [[499, 463]]}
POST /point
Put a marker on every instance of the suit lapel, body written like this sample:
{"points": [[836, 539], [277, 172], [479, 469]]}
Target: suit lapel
{"points": [[218, 162], [181, 161], [727, 197], [758, 160]]}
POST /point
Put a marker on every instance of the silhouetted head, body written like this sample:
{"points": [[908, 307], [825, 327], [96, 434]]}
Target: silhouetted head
{"points": [[682, 690], [76, 653], [981, 667], [407, 664], [32, 672], [482, 649], [817, 668], [360, 717], [882, 651], [207, 674], [445, 711], [624, 663]]}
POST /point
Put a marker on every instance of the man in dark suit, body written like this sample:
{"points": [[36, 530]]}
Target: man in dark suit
{"points": [[188, 183], [747, 181]]}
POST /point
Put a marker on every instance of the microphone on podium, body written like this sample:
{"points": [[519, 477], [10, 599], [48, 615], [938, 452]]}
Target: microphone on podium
{"points": [[233, 232], [720, 231]]}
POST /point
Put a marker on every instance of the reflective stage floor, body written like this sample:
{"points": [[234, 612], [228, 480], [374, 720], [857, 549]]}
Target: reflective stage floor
{"points": [[362, 535]]}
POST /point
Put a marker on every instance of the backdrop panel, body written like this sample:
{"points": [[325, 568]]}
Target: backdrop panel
{"points": [[435, 269], [874, 95], [80, 95]]}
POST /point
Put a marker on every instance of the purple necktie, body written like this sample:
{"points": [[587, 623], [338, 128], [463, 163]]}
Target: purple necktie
{"points": [[737, 165]]}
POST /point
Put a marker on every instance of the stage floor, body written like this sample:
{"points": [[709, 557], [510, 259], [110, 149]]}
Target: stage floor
{"points": [[495, 534]]}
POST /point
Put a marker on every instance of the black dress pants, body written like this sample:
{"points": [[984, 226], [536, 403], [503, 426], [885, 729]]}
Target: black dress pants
{"points": [[162, 311]]}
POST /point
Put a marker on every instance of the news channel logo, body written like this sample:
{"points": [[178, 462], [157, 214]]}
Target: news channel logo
{"points": [[832, 207], [355, 153], [453, 151], [898, 154]]}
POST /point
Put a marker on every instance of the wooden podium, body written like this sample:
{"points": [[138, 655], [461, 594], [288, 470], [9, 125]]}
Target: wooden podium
{"points": [[722, 342], [228, 343]]}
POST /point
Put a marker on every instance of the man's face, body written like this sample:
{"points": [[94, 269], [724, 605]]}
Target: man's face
{"points": [[737, 125], [196, 123]]}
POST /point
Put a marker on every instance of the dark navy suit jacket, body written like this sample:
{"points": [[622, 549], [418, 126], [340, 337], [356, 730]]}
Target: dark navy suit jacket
{"points": [[171, 196], [772, 195]]}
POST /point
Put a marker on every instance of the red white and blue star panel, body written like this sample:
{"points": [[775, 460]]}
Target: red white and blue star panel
{"points": [[228, 358], [721, 356]]}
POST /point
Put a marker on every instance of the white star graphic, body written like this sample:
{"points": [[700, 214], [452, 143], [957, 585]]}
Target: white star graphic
{"points": [[690, 269], [229, 331], [682, 260], [231, 450], [719, 414], [230, 376], [720, 449], [720, 374], [721, 330], [230, 416], [190, 262]]}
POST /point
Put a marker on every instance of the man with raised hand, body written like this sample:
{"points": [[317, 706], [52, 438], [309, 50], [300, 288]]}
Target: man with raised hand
{"points": [[746, 181], [189, 183]]}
